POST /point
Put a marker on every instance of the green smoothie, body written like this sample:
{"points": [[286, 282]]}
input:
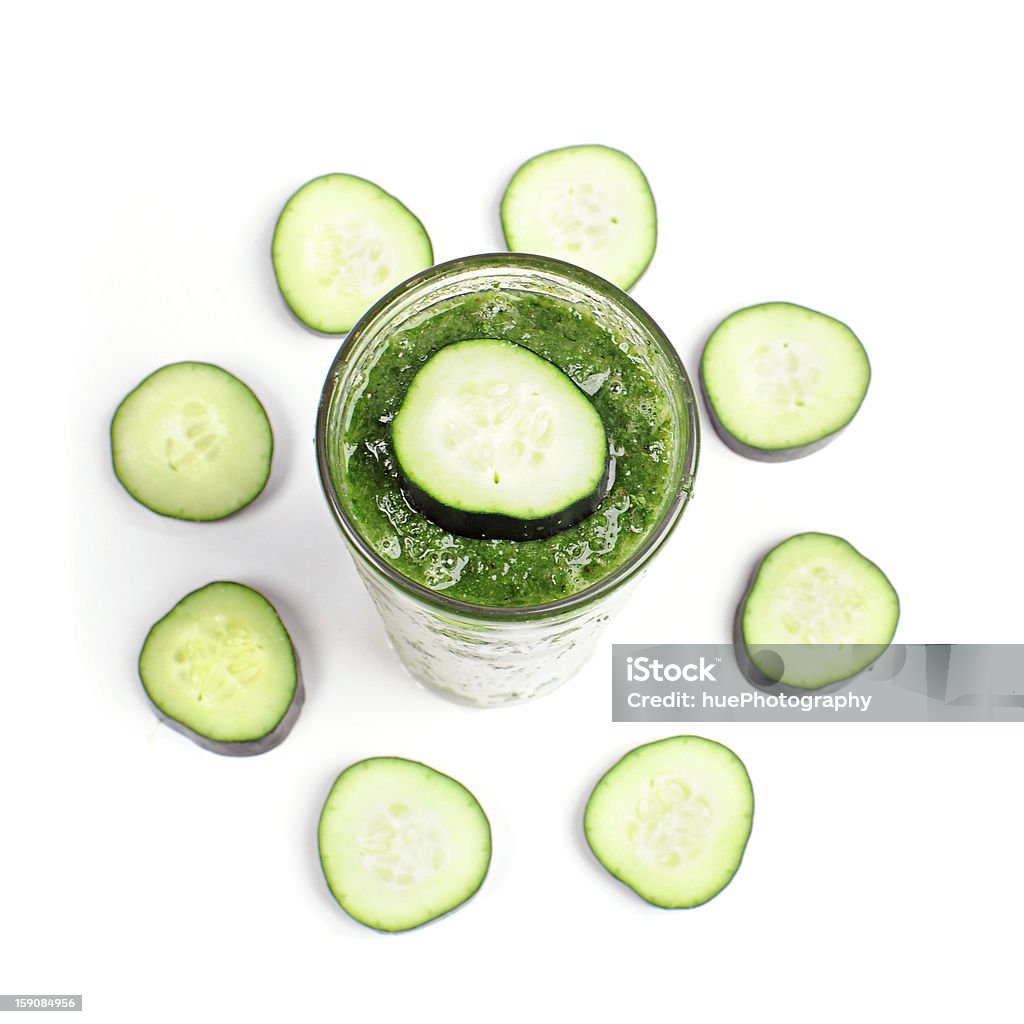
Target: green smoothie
{"points": [[501, 573]]}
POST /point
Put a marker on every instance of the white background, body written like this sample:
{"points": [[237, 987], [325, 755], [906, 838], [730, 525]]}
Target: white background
{"points": [[860, 159]]}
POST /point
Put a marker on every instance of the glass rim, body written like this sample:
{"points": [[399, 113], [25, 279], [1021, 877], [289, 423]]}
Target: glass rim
{"points": [[571, 274]]}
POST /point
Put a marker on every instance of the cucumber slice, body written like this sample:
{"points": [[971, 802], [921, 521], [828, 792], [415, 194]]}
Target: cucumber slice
{"points": [[401, 844], [220, 668], [588, 205], [341, 243], [782, 381], [192, 442], [672, 819], [816, 612], [494, 441]]}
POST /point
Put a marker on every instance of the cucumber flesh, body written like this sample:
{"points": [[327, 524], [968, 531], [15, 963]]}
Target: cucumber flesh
{"points": [[401, 844], [816, 612], [494, 441], [220, 668], [192, 442], [588, 205], [340, 243], [672, 819], [781, 381]]}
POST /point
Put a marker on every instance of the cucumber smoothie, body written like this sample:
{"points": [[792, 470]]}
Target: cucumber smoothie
{"points": [[496, 620], [638, 423]]}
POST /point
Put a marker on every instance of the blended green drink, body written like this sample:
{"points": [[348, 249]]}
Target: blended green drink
{"points": [[487, 606]]}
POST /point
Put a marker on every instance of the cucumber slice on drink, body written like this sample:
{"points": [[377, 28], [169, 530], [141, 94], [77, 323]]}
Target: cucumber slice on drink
{"points": [[494, 441], [340, 243], [220, 668], [782, 381], [588, 205], [401, 844], [192, 442], [816, 612], [672, 819]]}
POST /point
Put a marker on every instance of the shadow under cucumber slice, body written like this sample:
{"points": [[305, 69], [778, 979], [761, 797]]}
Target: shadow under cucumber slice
{"points": [[220, 668], [782, 381]]}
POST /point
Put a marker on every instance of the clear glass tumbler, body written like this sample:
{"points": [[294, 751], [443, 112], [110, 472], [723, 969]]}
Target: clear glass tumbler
{"points": [[481, 654]]}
